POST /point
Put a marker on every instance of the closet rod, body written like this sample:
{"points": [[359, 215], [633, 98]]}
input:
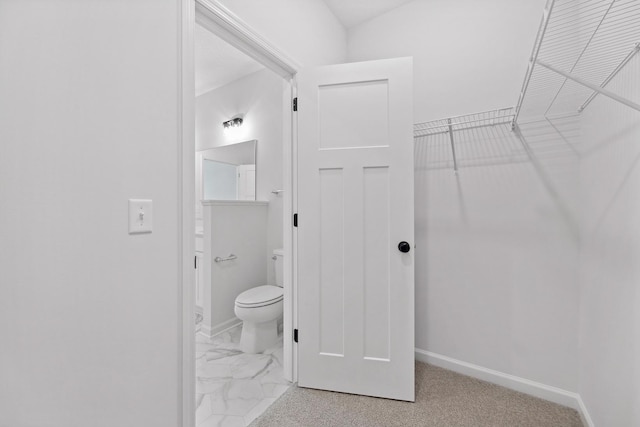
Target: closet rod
{"points": [[591, 86], [635, 50], [575, 64]]}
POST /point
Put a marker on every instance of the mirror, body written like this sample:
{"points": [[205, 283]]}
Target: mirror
{"points": [[229, 172]]}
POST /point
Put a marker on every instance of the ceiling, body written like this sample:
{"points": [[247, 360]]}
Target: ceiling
{"points": [[353, 12], [217, 62]]}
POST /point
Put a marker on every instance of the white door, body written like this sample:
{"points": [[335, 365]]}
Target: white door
{"points": [[355, 206]]}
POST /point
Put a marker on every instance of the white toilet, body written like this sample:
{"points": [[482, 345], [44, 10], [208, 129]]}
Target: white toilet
{"points": [[259, 309]]}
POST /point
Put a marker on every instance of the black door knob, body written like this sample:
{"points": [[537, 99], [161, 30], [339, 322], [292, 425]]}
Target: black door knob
{"points": [[404, 247]]}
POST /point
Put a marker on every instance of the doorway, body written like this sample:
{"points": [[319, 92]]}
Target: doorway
{"points": [[242, 114], [352, 94]]}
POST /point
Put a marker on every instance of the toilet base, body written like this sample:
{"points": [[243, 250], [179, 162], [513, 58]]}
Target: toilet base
{"points": [[257, 337]]}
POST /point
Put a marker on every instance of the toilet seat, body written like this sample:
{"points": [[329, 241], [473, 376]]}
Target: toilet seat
{"points": [[260, 296]]}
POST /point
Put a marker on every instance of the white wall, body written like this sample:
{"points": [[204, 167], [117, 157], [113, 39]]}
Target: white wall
{"points": [[259, 97], [495, 263], [468, 55], [610, 267], [305, 30], [88, 313]]}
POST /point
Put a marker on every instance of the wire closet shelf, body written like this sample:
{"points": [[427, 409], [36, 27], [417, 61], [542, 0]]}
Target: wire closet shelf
{"points": [[580, 47], [469, 121], [470, 140]]}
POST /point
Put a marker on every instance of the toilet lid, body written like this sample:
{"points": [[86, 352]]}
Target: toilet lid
{"points": [[260, 296]]}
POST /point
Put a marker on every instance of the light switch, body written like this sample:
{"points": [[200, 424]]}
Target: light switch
{"points": [[140, 216]]}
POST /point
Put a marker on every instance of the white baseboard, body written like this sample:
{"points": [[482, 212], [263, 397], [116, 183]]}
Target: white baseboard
{"points": [[584, 414], [220, 328], [533, 388]]}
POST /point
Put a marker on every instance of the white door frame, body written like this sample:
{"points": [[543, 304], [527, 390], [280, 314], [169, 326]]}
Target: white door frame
{"points": [[226, 25]]}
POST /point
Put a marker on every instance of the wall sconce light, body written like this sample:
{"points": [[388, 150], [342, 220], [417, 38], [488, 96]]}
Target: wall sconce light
{"points": [[233, 123]]}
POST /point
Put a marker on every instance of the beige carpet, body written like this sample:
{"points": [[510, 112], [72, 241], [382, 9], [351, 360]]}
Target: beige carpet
{"points": [[443, 398]]}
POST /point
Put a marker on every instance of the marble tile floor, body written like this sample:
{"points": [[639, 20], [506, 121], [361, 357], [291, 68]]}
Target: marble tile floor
{"points": [[234, 388]]}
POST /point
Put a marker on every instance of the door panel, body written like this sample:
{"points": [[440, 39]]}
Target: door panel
{"points": [[353, 114], [376, 247], [331, 232], [355, 203]]}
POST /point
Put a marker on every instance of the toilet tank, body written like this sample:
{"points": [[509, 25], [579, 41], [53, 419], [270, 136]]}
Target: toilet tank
{"points": [[277, 257]]}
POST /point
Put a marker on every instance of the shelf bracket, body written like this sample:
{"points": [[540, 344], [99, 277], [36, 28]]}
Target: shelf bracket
{"points": [[453, 147], [591, 86]]}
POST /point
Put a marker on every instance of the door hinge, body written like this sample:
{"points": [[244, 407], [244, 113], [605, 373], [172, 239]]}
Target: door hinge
{"points": [[295, 219], [295, 104], [295, 335], [195, 262]]}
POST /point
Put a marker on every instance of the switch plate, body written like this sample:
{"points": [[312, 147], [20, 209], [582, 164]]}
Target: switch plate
{"points": [[140, 216]]}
